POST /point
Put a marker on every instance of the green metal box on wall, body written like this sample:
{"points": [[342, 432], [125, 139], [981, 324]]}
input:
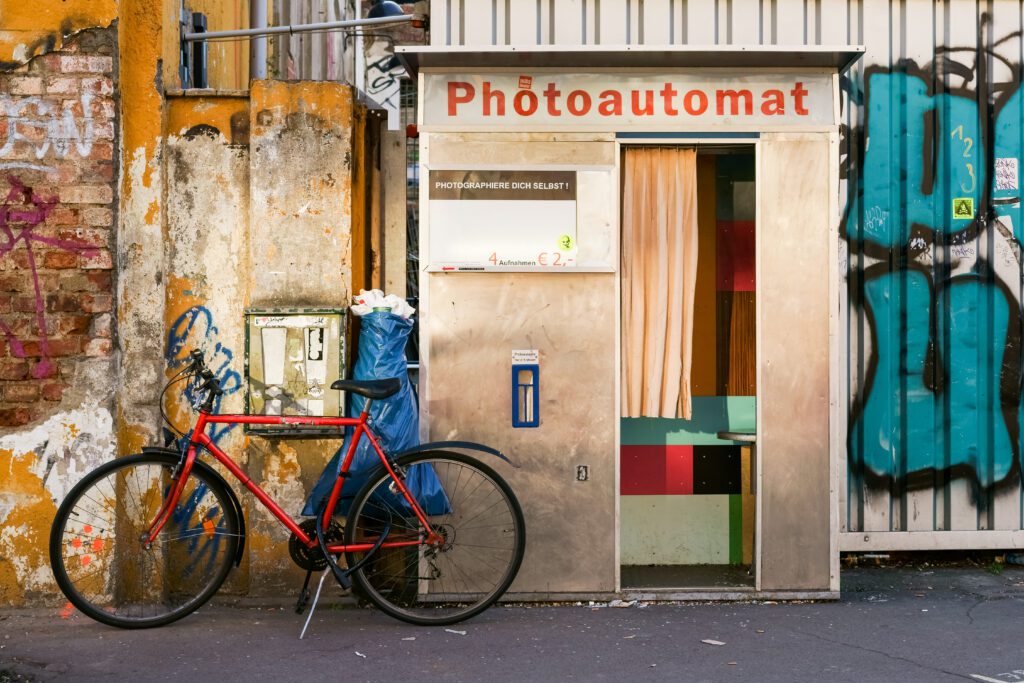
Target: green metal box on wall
{"points": [[292, 355]]}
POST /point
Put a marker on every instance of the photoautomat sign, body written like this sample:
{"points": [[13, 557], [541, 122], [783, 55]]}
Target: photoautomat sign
{"points": [[481, 220], [615, 101]]}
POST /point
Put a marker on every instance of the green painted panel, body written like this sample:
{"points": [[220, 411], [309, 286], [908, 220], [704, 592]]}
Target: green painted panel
{"points": [[711, 414], [735, 529]]}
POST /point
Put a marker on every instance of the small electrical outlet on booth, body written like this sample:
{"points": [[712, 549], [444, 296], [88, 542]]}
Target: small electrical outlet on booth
{"points": [[582, 472]]}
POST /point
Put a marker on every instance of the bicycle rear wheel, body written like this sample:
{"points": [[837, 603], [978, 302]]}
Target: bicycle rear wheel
{"points": [[101, 564], [475, 512]]}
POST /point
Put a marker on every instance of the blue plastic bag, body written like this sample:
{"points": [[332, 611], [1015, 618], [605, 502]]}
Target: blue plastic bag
{"points": [[395, 420]]}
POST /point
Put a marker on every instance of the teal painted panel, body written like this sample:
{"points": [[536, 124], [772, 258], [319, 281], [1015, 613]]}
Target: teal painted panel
{"points": [[711, 414]]}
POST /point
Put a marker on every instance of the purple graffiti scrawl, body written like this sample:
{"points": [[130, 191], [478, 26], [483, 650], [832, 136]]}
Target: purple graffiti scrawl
{"points": [[21, 213]]}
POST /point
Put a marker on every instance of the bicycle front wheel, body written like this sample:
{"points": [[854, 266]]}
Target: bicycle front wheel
{"points": [[101, 563], [473, 510]]}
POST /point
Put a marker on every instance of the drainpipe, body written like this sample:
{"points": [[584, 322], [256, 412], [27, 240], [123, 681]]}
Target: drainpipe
{"points": [[360, 57], [258, 45]]}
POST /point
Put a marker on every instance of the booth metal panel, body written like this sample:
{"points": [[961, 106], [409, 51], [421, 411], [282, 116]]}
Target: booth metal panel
{"points": [[472, 323], [794, 396]]}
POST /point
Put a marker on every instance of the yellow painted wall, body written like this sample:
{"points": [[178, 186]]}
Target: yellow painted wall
{"points": [[33, 27]]}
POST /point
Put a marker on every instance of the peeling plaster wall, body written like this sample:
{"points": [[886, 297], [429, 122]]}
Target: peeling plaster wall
{"points": [[38, 468], [256, 214], [140, 262], [29, 29], [197, 228], [59, 124], [302, 253]]}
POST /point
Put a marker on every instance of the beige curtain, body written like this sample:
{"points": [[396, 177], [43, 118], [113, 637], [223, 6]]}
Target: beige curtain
{"points": [[659, 276]]}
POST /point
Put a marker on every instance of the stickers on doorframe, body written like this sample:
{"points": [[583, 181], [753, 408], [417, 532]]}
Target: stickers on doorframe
{"points": [[963, 208]]}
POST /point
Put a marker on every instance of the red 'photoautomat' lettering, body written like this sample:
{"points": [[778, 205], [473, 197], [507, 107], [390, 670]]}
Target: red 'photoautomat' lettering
{"points": [[578, 102], [734, 97], [611, 103], [455, 99], [695, 108], [798, 99], [773, 103], [552, 94], [521, 96], [497, 96]]}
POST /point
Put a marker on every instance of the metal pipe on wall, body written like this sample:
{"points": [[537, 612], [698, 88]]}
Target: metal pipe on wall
{"points": [[258, 45], [302, 28]]}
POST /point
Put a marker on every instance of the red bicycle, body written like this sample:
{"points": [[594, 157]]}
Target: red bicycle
{"points": [[432, 537]]}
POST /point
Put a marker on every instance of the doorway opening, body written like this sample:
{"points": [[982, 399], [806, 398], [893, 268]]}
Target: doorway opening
{"points": [[687, 500]]}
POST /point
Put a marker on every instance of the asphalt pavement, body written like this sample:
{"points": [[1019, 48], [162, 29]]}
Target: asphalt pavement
{"points": [[892, 624]]}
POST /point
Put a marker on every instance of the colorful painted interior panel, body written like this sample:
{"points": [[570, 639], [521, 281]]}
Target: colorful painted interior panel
{"points": [[687, 504]]}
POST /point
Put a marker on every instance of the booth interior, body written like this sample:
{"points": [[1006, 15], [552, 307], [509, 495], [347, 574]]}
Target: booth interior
{"points": [[687, 501]]}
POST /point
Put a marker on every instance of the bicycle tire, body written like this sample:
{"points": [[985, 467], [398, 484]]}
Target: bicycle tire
{"points": [[485, 540], [99, 561]]}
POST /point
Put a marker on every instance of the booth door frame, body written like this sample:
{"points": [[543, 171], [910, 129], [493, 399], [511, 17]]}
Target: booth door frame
{"points": [[834, 376], [705, 139]]}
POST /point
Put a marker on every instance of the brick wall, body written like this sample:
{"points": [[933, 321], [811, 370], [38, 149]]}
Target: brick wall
{"points": [[58, 171]]}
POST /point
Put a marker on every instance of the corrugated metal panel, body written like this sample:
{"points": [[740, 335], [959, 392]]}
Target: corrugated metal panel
{"points": [[933, 134]]}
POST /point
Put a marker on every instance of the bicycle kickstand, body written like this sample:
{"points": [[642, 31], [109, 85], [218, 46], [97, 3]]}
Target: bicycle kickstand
{"points": [[303, 600], [312, 607]]}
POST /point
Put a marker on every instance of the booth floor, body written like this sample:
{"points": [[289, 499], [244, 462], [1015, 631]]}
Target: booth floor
{"points": [[687, 576]]}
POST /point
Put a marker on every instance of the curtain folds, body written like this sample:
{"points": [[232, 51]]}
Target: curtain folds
{"points": [[659, 276]]}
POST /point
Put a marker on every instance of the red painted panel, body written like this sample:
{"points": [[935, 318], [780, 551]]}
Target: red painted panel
{"points": [[656, 470], [679, 470], [734, 249]]}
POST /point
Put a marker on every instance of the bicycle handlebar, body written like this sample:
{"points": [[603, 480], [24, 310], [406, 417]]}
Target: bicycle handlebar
{"points": [[209, 382]]}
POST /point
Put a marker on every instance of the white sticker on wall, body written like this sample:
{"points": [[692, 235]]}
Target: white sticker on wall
{"points": [[1006, 174], [525, 356]]}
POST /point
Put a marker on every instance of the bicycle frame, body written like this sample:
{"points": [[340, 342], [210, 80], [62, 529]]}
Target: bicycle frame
{"points": [[199, 439]]}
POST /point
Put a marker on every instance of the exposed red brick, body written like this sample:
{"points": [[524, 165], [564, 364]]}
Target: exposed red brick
{"points": [[98, 347], [99, 85], [60, 259], [52, 391], [101, 326], [26, 85], [13, 369], [99, 65], [23, 304], [15, 282], [99, 303], [103, 151], [15, 417], [21, 392], [63, 85], [44, 370], [64, 301], [74, 324], [98, 216], [99, 260], [101, 280], [87, 194]]}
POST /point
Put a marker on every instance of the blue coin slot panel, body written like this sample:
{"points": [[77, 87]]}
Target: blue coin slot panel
{"points": [[526, 395]]}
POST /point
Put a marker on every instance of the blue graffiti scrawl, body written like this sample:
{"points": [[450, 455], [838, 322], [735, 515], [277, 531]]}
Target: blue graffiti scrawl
{"points": [[935, 230], [194, 329]]}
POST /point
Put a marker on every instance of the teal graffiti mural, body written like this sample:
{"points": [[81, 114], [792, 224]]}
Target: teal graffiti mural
{"points": [[934, 230]]}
